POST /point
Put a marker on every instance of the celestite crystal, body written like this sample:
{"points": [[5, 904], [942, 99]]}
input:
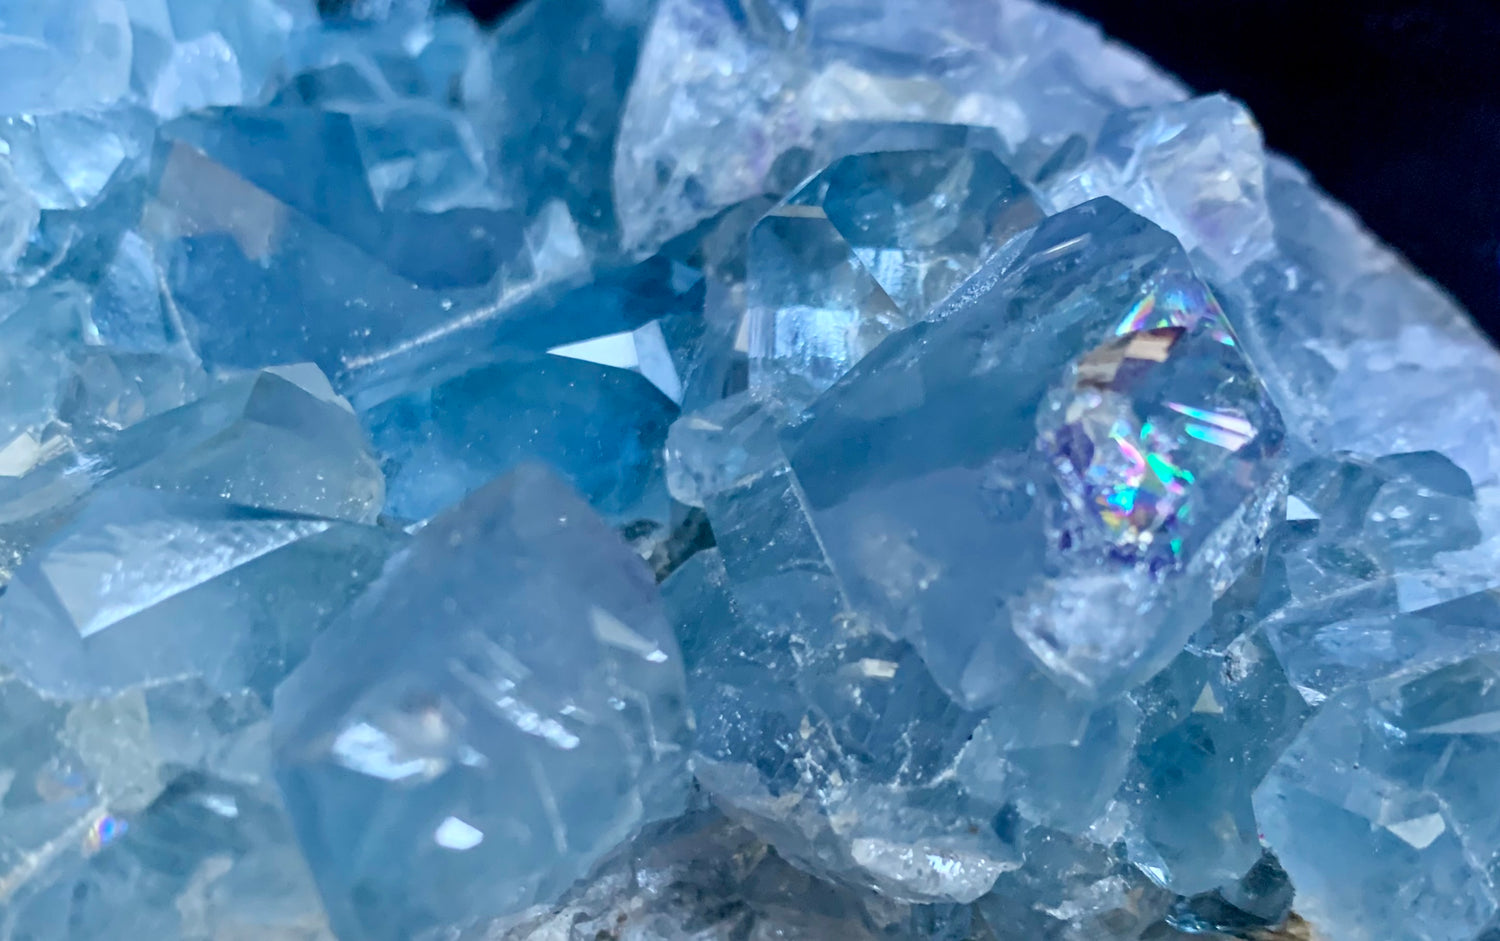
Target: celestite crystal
{"points": [[717, 470], [508, 707]]}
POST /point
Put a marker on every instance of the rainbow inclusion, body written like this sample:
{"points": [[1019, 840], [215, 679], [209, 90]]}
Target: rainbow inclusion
{"points": [[1144, 418]]}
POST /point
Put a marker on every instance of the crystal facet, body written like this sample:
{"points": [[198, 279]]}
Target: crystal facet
{"points": [[506, 744]]}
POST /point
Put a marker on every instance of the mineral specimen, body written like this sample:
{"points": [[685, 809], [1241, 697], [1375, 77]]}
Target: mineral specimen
{"points": [[717, 469]]}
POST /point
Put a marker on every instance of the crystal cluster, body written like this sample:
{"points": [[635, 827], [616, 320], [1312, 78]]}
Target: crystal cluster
{"points": [[717, 469]]}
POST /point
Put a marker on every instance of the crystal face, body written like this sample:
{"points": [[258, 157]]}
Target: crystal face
{"points": [[511, 741], [717, 469]]}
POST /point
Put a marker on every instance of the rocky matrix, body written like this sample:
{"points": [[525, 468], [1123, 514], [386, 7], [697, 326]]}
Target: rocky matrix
{"points": [[717, 470]]}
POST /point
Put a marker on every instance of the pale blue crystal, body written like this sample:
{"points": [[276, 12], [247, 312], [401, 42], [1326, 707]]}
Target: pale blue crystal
{"points": [[1381, 566], [363, 293], [1073, 890], [208, 858], [192, 54], [601, 428], [278, 440], [777, 83], [64, 56], [58, 802], [39, 330], [67, 160], [1380, 813], [1196, 168], [867, 247], [143, 587], [1213, 724], [19, 218], [506, 745], [993, 609], [1031, 422]]}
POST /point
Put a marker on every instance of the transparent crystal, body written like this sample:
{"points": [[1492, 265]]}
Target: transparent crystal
{"points": [[143, 587], [865, 248], [1134, 465], [63, 57], [511, 744], [602, 428], [1378, 812]]}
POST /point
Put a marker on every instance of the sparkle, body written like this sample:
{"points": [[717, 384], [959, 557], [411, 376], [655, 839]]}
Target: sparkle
{"points": [[1186, 305], [1227, 429], [105, 830]]}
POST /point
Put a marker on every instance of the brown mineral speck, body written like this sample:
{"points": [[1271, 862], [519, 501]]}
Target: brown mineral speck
{"points": [[1295, 929]]}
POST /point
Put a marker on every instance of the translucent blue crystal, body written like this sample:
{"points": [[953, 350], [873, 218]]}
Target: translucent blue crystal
{"points": [[1084, 413], [143, 587], [508, 744], [1195, 168], [208, 856], [1071, 890], [63, 57], [601, 427], [867, 247], [1212, 727], [191, 55], [1379, 809], [1381, 566], [59, 801]]}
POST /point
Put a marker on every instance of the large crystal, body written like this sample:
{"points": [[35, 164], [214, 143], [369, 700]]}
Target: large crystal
{"points": [[1085, 414], [1380, 809], [278, 440], [509, 709], [1213, 724]]}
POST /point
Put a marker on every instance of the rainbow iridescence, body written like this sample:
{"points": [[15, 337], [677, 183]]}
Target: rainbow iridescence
{"points": [[1130, 458]]}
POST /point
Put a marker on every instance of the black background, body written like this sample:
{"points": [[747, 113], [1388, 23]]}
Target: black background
{"points": [[1393, 106]]}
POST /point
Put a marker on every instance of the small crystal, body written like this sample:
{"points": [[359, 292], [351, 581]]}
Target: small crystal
{"points": [[864, 248]]}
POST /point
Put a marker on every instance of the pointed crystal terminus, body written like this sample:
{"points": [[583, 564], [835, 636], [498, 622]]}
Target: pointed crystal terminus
{"points": [[507, 707], [1084, 412], [144, 587], [865, 248]]}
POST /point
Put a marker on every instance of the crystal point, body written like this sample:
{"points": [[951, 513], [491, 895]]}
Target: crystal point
{"points": [[511, 742]]}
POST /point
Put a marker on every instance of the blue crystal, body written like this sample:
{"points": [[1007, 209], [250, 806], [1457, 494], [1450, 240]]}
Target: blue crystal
{"points": [[1354, 591], [143, 587], [867, 247], [1031, 422], [1073, 889], [507, 745], [602, 428], [215, 842], [64, 57], [1212, 727], [1379, 813]]}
